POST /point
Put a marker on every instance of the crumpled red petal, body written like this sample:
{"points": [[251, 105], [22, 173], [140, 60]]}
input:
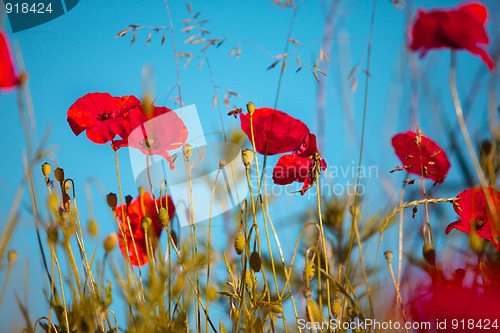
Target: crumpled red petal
{"points": [[274, 131]]}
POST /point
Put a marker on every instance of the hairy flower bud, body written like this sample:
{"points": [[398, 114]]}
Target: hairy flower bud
{"points": [[146, 223], [309, 271], [429, 253], [110, 242], [247, 156], [276, 308], [239, 243], [313, 312], [11, 256], [255, 261], [163, 218], [248, 280], [336, 308]]}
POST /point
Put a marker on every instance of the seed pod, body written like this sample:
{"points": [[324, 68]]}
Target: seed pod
{"points": [[388, 255], [248, 280], [92, 228], [336, 308], [52, 235], [163, 217], [255, 261], [146, 223], [307, 293], [12, 256], [112, 200], [128, 199], [309, 271], [187, 150], [239, 243], [312, 311], [222, 164], [46, 167], [429, 253], [276, 308], [110, 242], [250, 108], [247, 157], [59, 174]]}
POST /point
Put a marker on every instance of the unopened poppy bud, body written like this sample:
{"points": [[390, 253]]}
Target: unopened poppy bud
{"points": [[222, 164], [128, 199], [276, 308], [46, 167], [309, 271], [52, 235], [112, 200], [92, 228], [312, 311], [250, 108], [59, 174], [247, 156], [187, 150], [239, 243], [146, 223], [388, 255], [255, 261], [12, 256], [248, 280], [163, 217], [429, 253], [110, 242], [475, 242], [336, 308]]}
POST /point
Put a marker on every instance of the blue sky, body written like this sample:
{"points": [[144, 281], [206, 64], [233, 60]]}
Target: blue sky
{"points": [[77, 53]]}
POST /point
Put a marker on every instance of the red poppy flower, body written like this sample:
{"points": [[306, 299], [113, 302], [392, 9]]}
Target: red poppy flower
{"points": [[8, 74], [424, 157], [135, 213], [308, 147], [293, 168], [101, 115], [460, 28], [274, 131], [155, 134], [474, 213]]}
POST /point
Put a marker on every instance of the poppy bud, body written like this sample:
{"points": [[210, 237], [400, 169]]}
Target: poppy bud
{"points": [[52, 235], [163, 217], [174, 237], [128, 199], [250, 108], [309, 271], [12, 256], [46, 167], [255, 261], [146, 223], [388, 255], [312, 311], [475, 242], [429, 253], [336, 308], [247, 156], [59, 174], [112, 200], [239, 243], [187, 150], [110, 242], [222, 164], [92, 228], [276, 308], [248, 280]]}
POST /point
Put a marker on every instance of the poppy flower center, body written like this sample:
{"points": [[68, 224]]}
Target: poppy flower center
{"points": [[478, 222], [148, 143], [104, 116]]}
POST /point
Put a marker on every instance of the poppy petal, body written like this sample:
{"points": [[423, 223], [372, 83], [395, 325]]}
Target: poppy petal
{"points": [[8, 74]]}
